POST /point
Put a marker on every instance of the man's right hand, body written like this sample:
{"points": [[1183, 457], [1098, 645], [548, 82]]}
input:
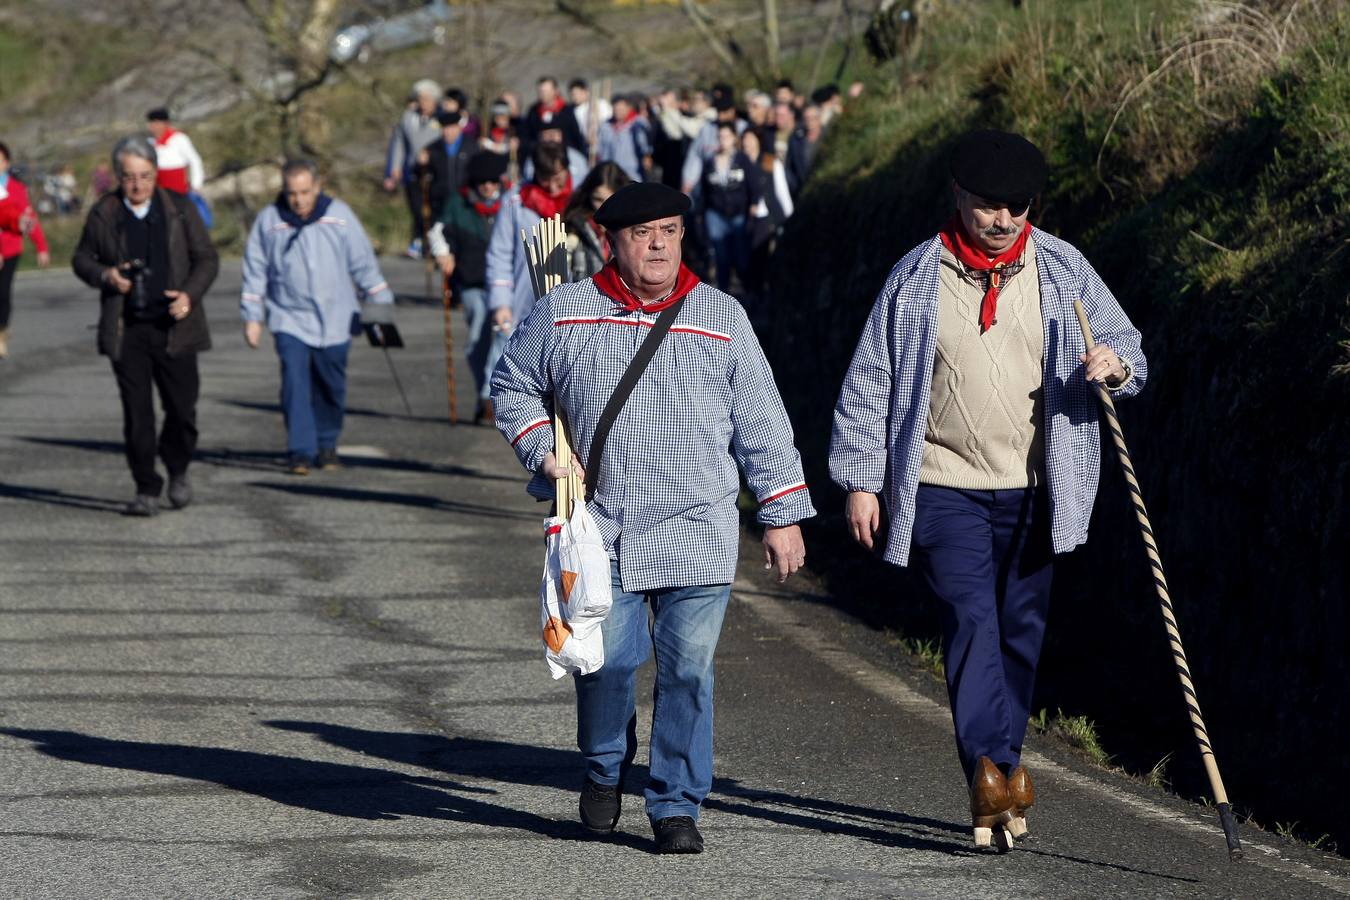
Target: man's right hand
{"points": [[501, 318], [863, 513], [114, 278], [447, 264], [392, 181], [253, 334], [552, 471]]}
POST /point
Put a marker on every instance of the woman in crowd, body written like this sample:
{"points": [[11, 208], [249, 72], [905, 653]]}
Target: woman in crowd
{"points": [[17, 221], [768, 216], [730, 191], [587, 247]]}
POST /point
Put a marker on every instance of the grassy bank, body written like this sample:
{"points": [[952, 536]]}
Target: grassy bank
{"points": [[1200, 154]]}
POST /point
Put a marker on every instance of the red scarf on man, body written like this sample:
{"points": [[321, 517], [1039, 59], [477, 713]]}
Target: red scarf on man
{"points": [[609, 283], [546, 113], [541, 201], [484, 208], [954, 238]]}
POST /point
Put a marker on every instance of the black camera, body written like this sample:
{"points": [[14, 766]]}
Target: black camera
{"points": [[138, 302]]}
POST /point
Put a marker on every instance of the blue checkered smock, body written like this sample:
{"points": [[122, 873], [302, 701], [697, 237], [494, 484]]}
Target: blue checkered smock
{"points": [[666, 500], [878, 438]]}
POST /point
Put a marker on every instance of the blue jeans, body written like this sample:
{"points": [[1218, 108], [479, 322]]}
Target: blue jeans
{"points": [[731, 246], [313, 394], [987, 556], [485, 342], [684, 629]]}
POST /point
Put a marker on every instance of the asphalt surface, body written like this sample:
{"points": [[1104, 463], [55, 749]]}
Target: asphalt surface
{"points": [[334, 685]]}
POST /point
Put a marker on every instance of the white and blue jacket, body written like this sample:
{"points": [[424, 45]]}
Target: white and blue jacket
{"points": [[666, 497], [879, 421], [304, 282]]}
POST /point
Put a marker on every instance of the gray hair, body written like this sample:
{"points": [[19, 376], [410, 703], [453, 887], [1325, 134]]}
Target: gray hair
{"points": [[298, 165], [426, 86], [136, 145]]}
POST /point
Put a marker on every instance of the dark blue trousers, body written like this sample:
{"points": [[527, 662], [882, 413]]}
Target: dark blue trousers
{"points": [[313, 394], [987, 557]]}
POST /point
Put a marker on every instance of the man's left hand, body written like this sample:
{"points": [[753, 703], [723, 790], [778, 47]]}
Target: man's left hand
{"points": [[180, 304], [1103, 365], [784, 550]]}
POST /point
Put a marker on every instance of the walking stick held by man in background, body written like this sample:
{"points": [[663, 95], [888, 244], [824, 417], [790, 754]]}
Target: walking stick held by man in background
{"points": [[1169, 616]]}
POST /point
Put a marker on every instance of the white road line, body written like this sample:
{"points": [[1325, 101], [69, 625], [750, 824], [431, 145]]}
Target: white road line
{"points": [[792, 623]]}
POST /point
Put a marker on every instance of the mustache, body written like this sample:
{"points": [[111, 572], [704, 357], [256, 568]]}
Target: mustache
{"points": [[999, 231]]}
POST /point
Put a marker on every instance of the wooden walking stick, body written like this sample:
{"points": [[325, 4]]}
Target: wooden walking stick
{"points": [[446, 297], [1165, 601]]}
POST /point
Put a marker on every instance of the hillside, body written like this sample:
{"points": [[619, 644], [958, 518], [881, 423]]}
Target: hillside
{"points": [[1200, 154]]}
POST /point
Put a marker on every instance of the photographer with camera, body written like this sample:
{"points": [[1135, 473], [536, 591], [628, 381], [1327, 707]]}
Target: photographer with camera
{"points": [[148, 252]]}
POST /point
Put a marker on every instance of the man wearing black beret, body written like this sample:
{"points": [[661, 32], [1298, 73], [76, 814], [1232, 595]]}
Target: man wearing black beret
{"points": [[968, 404], [662, 487]]}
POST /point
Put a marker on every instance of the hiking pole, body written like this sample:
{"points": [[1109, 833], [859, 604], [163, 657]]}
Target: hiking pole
{"points": [[1165, 601], [449, 352]]}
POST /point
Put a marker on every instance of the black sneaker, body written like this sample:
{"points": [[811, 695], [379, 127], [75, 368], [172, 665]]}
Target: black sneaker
{"points": [[297, 464], [144, 506], [180, 491], [328, 460], [677, 834], [600, 805]]}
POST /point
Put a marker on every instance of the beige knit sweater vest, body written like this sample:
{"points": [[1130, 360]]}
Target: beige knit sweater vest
{"points": [[984, 428]]}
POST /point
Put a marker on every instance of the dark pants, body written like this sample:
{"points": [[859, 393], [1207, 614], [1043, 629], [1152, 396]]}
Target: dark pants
{"points": [[413, 190], [7, 270], [145, 361], [313, 394], [987, 556]]}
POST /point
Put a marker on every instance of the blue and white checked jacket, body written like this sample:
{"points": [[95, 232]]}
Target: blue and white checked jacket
{"points": [[883, 407], [666, 499]]}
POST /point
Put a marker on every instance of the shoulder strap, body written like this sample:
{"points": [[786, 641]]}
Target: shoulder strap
{"points": [[624, 389]]}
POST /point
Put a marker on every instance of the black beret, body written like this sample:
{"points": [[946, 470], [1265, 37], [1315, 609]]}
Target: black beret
{"points": [[158, 114], [641, 201], [1000, 167], [485, 167], [445, 117]]}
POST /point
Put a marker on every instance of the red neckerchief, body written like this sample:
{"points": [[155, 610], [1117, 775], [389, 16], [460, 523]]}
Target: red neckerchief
{"points": [[627, 120], [541, 201], [954, 239], [546, 113], [164, 138], [609, 283], [486, 210]]}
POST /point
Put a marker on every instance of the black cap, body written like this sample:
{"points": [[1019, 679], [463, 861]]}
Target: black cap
{"points": [[158, 114], [723, 97], [999, 166], [642, 201], [485, 167], [445, 117]]}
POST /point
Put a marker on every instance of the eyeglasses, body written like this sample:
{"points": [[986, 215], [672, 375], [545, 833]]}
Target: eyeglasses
{"points": [[141, 177]]}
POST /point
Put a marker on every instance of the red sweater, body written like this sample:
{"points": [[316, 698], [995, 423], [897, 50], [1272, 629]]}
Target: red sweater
{"points": [[11, 209]]}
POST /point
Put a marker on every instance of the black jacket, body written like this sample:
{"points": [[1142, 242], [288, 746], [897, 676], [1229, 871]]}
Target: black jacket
{"points": [[193, 265], [447, 172], [801, 156]]}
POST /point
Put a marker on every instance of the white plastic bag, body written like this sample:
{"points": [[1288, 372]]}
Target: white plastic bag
{"points": [[575, 594]]}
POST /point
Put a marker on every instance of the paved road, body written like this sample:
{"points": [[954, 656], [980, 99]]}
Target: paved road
{"points": [[331, 686]]}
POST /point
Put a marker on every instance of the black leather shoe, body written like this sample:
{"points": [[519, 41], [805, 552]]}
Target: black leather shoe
{"points": [[297, 464], [677, 834], [328, 460], [180, 491], [144, 506], [600, 805]]}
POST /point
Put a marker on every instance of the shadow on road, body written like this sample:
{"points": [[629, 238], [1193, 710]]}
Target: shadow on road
{"points": [[418, 500], [62, 498], [561, 769], [358, 792], [268, 461], [275, 409]]}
